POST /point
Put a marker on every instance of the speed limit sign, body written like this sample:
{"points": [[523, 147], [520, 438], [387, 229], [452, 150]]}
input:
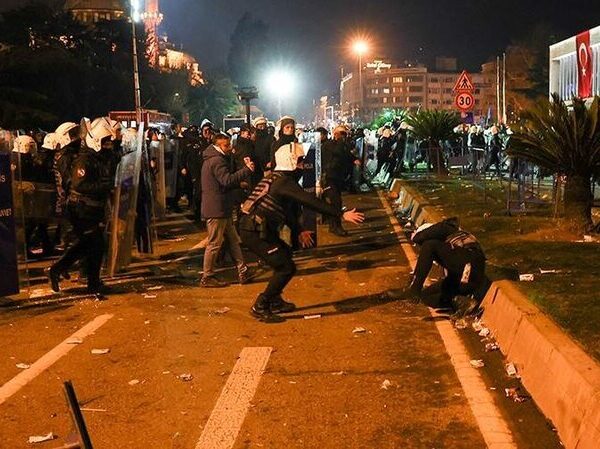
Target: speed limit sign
{"points": [[464, 101]]}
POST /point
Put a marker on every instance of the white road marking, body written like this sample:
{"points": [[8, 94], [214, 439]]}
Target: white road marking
{"points": [[492, 425], [229, 413], [48, 359]]}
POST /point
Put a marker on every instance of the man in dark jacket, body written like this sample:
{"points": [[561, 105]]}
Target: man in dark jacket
{"points": [[276, 201], [459, 253], [337, 161], [263, 143], [218, 184]]}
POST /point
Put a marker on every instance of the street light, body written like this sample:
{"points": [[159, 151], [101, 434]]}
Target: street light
{"points": [[135, 16], [281, 83], [360, 47]]}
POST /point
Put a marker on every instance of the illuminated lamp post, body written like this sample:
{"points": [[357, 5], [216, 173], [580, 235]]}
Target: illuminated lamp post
{"points": [[360, 48]]}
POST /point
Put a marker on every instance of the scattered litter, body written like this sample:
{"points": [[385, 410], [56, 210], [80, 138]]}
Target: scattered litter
{"points": [[293, 383], [487, 215], [133, 382], [484, 332], [511, 370], [41, 438], [148, 296], [74, 341], [477, 326], [166, 372], [93, 410], [489, 347], [185, 377], [155, 287], [477, 363], [359, 330], [493, 388], [588, 238], [221, 311], [513, 393], [526, 277], [100, 351], [147, 322], [362, 284], [550, 271], [23, 366], [386, 384], [461, 324], [311, 317], [339, 373], [176, 239]]}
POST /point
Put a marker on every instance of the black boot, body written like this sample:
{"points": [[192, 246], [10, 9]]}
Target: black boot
{"points": [[280, 305], [54, 278], [262, 310]]}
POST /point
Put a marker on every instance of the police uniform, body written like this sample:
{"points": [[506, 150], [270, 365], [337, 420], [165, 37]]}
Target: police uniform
{"points": [[90, 186], [277, 200]]}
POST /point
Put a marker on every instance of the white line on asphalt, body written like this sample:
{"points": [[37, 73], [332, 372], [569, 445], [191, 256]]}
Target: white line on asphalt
{"points": [[48, 359], [492, 425], [229, 413]]}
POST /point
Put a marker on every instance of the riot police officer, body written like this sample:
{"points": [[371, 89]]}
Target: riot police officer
{"points": [[90, 187], [276, 201]]}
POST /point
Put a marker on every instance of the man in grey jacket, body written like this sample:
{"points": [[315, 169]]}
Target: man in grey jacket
{"points": [[218, 185]]}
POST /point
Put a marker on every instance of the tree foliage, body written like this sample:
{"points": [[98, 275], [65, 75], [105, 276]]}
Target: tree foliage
{"points": [[566, 141], [249, 47], [388, 115], [214, 100], [434, 126]]}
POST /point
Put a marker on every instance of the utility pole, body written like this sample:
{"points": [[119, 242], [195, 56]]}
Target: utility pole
{"points": [[136, 67]]}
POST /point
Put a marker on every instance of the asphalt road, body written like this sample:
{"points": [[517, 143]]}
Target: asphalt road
{"points": [[325, 385]]}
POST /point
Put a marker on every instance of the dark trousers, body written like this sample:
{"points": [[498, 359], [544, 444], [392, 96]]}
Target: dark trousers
{"points": [[333, 195], [88, 247], [454, 261], [277, 255]]}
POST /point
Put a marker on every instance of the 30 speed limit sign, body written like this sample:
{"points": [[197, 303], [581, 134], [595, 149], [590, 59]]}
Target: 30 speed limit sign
{"points": [[464, 101]]}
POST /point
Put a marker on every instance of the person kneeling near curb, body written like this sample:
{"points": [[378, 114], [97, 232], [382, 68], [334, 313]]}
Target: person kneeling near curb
{"points": [[276, 201], [459, 253]]}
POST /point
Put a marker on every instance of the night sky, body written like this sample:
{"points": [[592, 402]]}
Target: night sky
{"points": [[310, 35]]}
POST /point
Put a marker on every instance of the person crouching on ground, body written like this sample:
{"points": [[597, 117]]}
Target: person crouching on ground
{"points": [[459, 253], [276, 201], [218, 184]]}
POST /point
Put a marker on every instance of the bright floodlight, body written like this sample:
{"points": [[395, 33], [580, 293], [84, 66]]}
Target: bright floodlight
{"points": [[281, 83], [360, 47]]}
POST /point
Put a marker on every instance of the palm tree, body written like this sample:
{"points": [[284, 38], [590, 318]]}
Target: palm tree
{"points": [[566, 140], [434, 126]]}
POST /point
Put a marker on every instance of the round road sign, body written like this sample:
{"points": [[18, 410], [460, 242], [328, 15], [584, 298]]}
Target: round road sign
{"points": [[464, 101]]}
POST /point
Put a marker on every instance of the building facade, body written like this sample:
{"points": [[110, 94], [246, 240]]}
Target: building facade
{"points": [[386, 86], [92, 11], [570, 65]]}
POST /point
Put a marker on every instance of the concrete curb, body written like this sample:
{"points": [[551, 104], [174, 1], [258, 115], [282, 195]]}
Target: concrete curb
{"points": [[562, 379]]}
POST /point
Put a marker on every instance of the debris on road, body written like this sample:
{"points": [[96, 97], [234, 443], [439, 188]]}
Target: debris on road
{"points": [[461, 324], [154, 287], [550, 271], [477, 325], [166, 372], [100, 351], [74, 341], [23, 366], [339, 373], [186, 377], [311, 317], [148, 296], [484, 332], [133, 382], [526, 277], [493, 346], [94, 410], [386, 384], [477, 363], [513, 393], [359, 330], [147, 322], [41, 438], [221, 311], [511, 370]]}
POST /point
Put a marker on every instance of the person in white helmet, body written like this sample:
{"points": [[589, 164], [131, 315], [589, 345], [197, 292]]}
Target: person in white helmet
{"points": [[90, 186], [277, 200], [68, 138]]}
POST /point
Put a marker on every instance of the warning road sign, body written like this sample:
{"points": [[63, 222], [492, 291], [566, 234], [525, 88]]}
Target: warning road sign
{"points": [[464, 83], [464, 101]]}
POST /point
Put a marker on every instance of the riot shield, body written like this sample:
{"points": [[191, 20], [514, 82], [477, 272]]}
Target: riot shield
{"points": [[122, 226], [156, 153], [171, 157], [8, 237], [311, 178]]}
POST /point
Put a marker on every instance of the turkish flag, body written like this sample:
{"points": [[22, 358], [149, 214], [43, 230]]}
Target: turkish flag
{"points": [[584, 65]]}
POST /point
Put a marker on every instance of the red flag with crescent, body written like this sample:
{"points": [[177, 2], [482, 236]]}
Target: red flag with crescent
{"points": [[584, 65]]}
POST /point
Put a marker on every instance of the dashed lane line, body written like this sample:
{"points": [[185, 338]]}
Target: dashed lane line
{"points": [[50, 358], [492, 425], [231, 408]]}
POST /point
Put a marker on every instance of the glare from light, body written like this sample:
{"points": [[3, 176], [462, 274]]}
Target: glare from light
{"points": [[360, 47], [136, 16], [281, 83]]}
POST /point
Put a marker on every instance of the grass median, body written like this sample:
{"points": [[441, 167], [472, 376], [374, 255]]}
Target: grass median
{"points": [[566, 270]]}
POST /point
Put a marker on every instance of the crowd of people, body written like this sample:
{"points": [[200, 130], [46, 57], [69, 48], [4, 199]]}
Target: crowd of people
{"points": [[244, 185]]}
